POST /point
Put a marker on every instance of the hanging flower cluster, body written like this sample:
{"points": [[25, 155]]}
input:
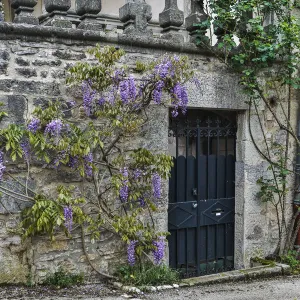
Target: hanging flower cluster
{"points": [[88, 97], [34, 125], [88, 160], [137, 173], [124, 190], [158, 91], [25, 146], [165, 68], [71, 103], [180, 97], [73, 162], [142, 201], [60, 156], [128, 91], [159, 251], [54, 128], [131, 252], [2, 166], [68, 214], [156, 185]]}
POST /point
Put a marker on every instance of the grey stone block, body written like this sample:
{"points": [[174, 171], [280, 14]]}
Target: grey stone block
{"points": [[3, 67], [26, 72], [22, 62], [29, 87], [4, 55], [67, 55], [59, 5], [136, 16], [88, 7], [52, 63]]}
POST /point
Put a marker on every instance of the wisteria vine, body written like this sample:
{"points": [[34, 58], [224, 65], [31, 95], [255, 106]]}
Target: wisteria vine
{"points": [[99, 147]]}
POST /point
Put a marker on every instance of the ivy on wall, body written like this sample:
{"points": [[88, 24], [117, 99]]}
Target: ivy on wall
{"points": [[259, 41]]}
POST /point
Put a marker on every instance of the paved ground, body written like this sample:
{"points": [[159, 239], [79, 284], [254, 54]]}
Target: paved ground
{"points": [[276, 289]]}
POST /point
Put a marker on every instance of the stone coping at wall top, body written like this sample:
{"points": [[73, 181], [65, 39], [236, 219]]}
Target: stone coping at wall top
{"points": [[70, 36]]}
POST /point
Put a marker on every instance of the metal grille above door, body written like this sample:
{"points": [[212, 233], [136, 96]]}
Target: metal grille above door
{"points": [[201, 192]]}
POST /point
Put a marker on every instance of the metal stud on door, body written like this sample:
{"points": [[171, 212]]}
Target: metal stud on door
{"points": [[201, 192]]}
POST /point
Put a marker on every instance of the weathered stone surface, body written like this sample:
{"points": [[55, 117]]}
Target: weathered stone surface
{"points": [[24, 10], [3, 67], [69, 55], [171, 16], [88, 7], [4, 55], [58, 12], [29, 87], [52, 51], [171, 20], [22, 62], [136, 15], [26, 72], [59, 5], [52, 63], [196, 17]]}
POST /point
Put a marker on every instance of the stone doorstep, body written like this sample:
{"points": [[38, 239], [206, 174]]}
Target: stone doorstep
{"points": [[236, 275]]}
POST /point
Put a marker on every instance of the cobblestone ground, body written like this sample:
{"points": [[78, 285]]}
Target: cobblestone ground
{"points": [[287, 288]]}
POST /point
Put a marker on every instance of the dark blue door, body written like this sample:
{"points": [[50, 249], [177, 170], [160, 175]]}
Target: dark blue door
{"points": [[202, 192]]}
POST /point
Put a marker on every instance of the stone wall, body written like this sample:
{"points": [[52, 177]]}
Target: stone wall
{"points": [[33, 65]]}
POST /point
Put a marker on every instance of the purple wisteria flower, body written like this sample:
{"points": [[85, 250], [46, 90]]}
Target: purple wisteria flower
{"points": [[137, 173], [181, 96], [176, 58], [71, 103], [164, 69], [60, 156], [131, 252], [124, 190], [124, 87], [142, 201], [156, 185], [34, 125], [68, 214], [157, 93], [2, 166], [128, 91], [88, 97], [132, 88], [54, 128], [159, 251], [118, 76], [101, 101], [25, 146], [112, 95], [174, 112], [88, 160], [73, 162]]}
